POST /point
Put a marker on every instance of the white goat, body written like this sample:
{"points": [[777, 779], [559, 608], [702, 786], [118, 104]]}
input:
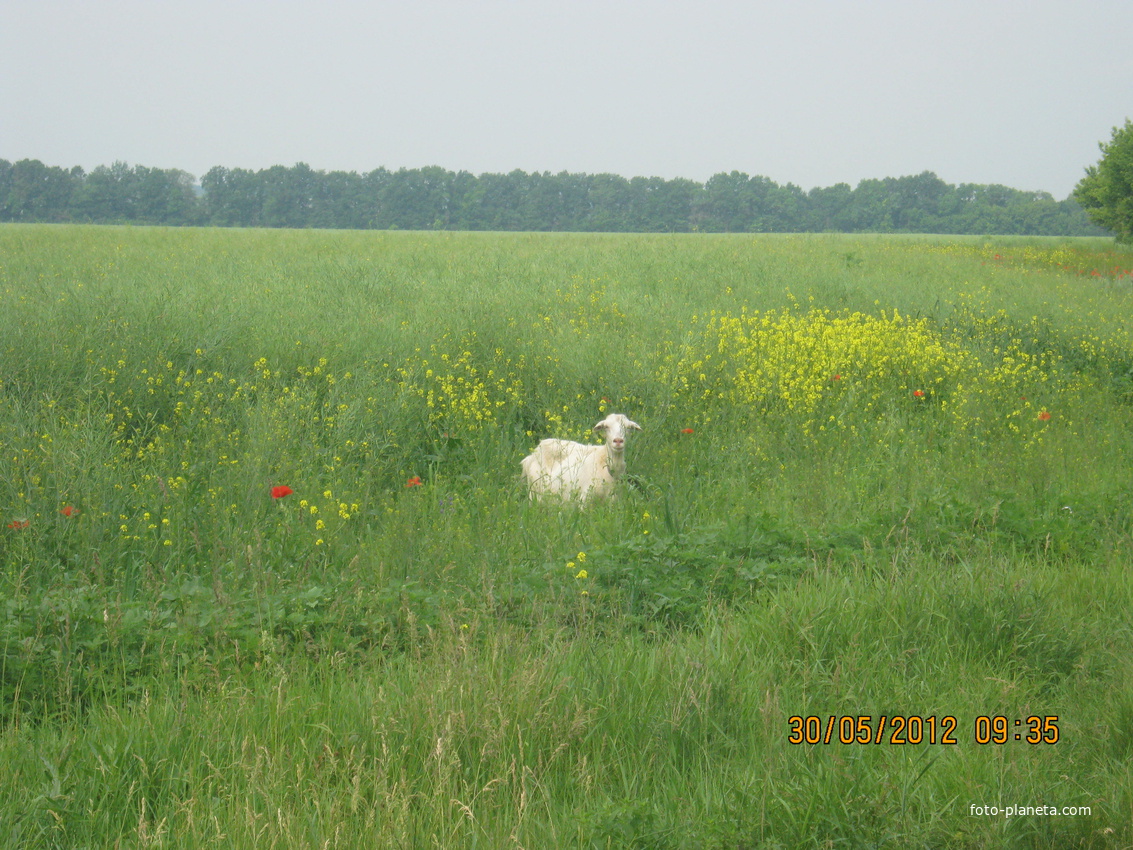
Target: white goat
{"points": [[572, 470]]}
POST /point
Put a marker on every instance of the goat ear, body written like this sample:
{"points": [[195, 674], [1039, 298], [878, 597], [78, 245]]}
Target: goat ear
{"points": [[601, 426], [631, 424]]}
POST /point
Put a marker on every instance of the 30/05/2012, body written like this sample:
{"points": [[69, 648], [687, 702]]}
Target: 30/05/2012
{"points": [[900, 730]]}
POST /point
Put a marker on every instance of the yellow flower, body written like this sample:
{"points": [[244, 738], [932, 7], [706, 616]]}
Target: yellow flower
{"points": [[581, 574]]}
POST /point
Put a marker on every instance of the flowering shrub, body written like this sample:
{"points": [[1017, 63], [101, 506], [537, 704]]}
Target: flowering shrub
{"points": [[805, 365], [459, 392], [824, 369], [1112, 265]]}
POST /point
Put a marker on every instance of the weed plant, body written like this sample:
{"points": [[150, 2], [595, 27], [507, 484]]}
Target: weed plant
{"points": [[270, 578]]}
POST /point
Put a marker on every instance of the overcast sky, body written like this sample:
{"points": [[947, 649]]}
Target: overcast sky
{"points": [[811, 92]]}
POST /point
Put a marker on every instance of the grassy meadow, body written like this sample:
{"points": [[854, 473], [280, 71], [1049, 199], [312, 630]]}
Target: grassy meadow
{"points": [[269, 576]]}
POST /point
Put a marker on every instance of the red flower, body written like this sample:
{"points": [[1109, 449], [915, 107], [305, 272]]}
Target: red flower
{"points": [[281, 490], [1044, 415], [69, 511], [686, 430], [415, 481], [18, 524], [918, 393], [837, 377]]}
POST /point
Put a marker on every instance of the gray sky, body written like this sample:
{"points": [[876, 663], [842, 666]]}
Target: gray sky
{"points": [[811, 92]]}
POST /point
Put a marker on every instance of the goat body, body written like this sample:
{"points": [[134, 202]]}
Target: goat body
{"points": [[572, 470]]}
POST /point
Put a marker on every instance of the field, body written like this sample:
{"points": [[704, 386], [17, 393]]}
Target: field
{"points": [[270, 577]]}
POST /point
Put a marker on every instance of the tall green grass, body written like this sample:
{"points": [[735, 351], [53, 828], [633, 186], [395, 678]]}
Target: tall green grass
{"points": [[407, 652]]}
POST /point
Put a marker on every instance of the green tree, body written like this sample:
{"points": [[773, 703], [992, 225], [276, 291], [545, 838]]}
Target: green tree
{"points": [[733, 203], [289, 195], [1106, 192], [232, 198], [32, 191], [164, 196], [829, 206], [109, 194]]}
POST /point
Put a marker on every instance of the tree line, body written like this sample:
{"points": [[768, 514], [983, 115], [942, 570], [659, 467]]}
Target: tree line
{"points": [[435, 198]]}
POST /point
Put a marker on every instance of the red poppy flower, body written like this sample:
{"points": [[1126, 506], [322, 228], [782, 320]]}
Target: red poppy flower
{"points": [[415, 481], [686, 430], [18, 524], [281, 490], [1044, 415], [837, 377], [68, 510], [918, 393]]}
